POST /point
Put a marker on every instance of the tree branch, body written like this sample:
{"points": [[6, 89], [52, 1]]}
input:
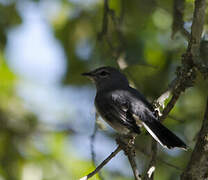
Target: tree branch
{"points": [[128, 146], [197, 28], [104, 28], [132, 161], [187, 73], [178, 22], [159, 159], [125, 144], [198, 166], [149, 175], [92, 141], [113, 154]]}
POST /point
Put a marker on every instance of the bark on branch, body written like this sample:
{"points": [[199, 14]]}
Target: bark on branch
{"points": [[186, 74], [197, 168], [113, 154]]}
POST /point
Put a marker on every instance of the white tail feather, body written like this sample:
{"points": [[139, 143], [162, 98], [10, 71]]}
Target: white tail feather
{"points": [[153, 134]]}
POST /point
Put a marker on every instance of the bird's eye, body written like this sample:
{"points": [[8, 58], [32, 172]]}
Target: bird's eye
{"points": [[104, 73]]}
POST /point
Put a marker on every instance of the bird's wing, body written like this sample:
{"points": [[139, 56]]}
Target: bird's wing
{"points": [[132, 107], [140, 108], [116, 109]]}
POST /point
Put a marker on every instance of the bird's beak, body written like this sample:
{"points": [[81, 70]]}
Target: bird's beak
{"points": [[88, 74]]}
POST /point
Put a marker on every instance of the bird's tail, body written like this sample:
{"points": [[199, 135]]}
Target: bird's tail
{"points": [[163, 135]]}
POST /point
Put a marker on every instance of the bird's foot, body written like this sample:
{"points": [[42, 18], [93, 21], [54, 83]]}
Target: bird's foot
{"points": [[127, 144]]}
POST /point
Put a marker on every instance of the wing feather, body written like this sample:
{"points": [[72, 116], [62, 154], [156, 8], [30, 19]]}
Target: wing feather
{"points": [[116, 111]]}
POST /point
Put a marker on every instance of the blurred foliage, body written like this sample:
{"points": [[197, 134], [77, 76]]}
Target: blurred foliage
{"points": [[9, 18], [140, 33]]}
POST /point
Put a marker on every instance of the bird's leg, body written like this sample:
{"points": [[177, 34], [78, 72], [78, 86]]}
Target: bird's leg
{"points": [[131, 146], [127, 143]]}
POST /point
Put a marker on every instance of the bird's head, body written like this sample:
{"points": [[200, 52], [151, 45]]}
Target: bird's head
{"points": [[107, 78]]}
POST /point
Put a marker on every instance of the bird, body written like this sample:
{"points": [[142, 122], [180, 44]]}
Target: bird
{"points": [[125, 109]]}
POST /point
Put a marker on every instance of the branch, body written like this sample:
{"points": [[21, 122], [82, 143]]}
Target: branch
{"points": [[198, 166], [203, 67], [178, 23], [104, 29], [170, 106], [159, 159], [92, 141], [127, 144], [165, 113], [186, 74], [149, 175], [134, 166], [176, 119], [113, 154], [197, 27], [109, 14]]}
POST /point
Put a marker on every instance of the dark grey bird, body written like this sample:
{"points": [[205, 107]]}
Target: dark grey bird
{"points": [[126, 109]]}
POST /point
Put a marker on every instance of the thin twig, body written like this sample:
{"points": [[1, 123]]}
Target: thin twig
{"points": [[104, 28], [113, 154], [178, 22], [169, 106], [92, 141], [159, 159], [176, 118], [109, 14], [147, 175], [178, 11], [165, 113], [185, 32]]}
